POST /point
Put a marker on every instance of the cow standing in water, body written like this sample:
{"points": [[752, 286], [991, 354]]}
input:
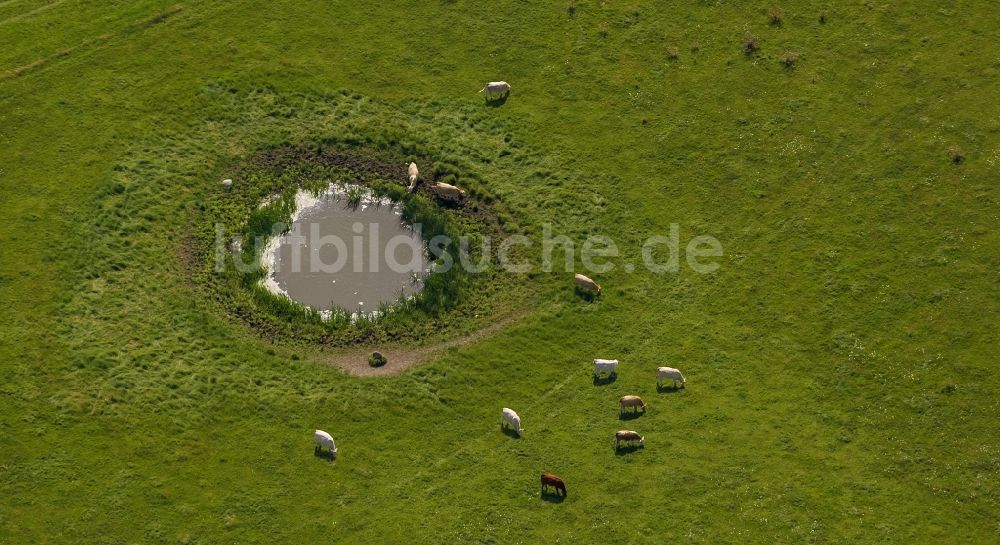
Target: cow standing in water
{"points": [[550, 480]]}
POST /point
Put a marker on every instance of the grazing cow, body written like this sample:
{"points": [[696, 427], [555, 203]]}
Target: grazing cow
{"points": [[669, 373], [628, 436], [550, 480], [509, 419], [631, 402], [324, 439], [448, 193], [496, 89], [605, 367], [586, 284], [412, 173]]}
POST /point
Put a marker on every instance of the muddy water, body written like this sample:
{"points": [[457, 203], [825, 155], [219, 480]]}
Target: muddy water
{"points": [[354, 258]]}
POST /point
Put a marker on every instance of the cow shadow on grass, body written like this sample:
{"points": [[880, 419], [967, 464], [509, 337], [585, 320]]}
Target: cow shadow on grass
{"points": [[497, 102], [627, 449], [509, 432], [664, 389], [552, 496], [587, 296], [604, 381], [325, 454], [629, 415]]}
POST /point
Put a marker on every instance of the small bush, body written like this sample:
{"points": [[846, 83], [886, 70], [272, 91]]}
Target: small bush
{"points": [[789, 58], [774, 17], [750, 43], [956, 154], [376, 359], [822, 18], [571, 8]]}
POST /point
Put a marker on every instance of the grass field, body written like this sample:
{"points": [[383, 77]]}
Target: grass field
{"points": [[841, 362]]}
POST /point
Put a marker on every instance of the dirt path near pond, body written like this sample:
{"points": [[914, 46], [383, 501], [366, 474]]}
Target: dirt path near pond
{"points": [[355, 360]]}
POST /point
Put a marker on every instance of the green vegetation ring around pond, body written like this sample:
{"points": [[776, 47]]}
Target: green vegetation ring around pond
{"points": [[235, 265], [268, 147]]}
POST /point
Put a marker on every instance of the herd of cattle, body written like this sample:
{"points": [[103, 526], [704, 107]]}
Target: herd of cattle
{"points": [[628, 403], [510, 420]]}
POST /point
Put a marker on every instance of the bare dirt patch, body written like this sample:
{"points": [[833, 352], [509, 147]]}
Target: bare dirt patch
{"points": [[354, 360]]}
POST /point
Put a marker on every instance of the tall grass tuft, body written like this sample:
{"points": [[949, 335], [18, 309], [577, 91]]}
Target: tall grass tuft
{"points": [[774, 17], [355, 194], [750, 44], [789, 58]]}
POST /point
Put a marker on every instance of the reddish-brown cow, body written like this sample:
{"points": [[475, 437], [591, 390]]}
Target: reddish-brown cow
{"points": [[550, 480]]}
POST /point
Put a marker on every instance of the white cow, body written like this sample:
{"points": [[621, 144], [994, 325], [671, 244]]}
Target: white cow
{"points": [[412, 173], [669, 373], [605, 367], [448, 193], [509, 419], [496, 89], [324, 439], [587, 284]]}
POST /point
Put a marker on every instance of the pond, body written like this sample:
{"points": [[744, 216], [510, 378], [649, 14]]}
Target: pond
{"points": [[342, 251]]}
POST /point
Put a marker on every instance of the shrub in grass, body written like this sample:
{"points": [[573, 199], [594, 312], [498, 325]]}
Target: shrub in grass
{"points": [[822, 18], [571, 8], [750, 43], [376, 359], [956, 154], [789, 58], [774, 17]]}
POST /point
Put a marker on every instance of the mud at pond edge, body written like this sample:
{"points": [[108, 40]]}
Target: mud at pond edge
{"points": [[354, 360]]}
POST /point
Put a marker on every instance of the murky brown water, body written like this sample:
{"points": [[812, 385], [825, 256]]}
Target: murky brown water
{"points": [[353, 258]]}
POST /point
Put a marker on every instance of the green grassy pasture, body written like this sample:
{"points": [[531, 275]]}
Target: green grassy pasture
{"points": [[841, 362]]}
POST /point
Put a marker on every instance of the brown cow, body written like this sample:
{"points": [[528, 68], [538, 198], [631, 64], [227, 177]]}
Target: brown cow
{"points": [[631, 402], [549, 479], [628, 436]]}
